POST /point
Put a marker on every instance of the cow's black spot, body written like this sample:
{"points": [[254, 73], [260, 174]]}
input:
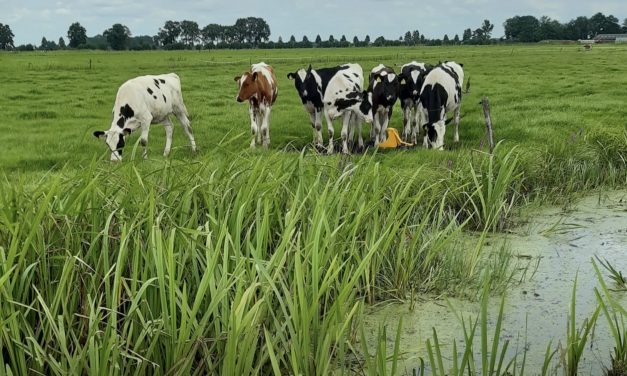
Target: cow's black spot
{"points": [[120, 122], [162, 80], [127, 111], [149, 91], [344, 103], [353, 94], [164, 98], [120, 144], [156, 83], [356, 75], [154, 96]]}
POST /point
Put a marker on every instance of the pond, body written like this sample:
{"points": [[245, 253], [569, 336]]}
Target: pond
{"points": [[558, 244]]}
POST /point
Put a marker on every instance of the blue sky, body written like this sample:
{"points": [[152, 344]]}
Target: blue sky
{"points": [[31, 20]]}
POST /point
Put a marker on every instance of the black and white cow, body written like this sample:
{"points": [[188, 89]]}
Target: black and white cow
{"points": [[333, 92], [140, 102], [441, 93], [384, 87], [411, 79]]}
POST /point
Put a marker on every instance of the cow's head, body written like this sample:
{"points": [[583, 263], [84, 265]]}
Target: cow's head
{"points": [[365, 107], [386, 86], [434, 137], [299, 77], [247, 86], [411, 81], [114, 138]]}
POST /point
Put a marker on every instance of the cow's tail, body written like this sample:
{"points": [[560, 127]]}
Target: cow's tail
{"points": [[467, 90]]}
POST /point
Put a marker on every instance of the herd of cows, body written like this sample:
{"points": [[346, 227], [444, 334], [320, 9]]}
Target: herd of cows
{"points": [[426, 93]]}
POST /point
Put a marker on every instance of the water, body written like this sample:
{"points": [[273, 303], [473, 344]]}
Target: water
{"points": [[561, 244]]}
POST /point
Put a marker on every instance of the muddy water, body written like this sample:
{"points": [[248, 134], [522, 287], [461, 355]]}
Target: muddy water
{"points": [[560, 243]]}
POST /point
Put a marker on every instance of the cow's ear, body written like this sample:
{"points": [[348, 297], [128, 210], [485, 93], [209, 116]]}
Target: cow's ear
{"points": [[309, 69], [126, 131], [461, 65], [237, 78], [291, 76], [378, 79], [99, 134], [254, 76]]}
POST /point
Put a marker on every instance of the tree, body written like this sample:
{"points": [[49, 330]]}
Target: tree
{"points": [[415, 37], [331, 42], [77, 35], [355, 41], [61, 43], [292, 42], [408, 39], [210, 34], [367, 41], [306, 43], [550, 29], [169, 33], [190, 33], [445, 40], [467, 35], [252, 30], [117, 37], [486, 29], [521, 29], [579, 28], [318, 40], [380, 41], [625, 25], [456, 39], [600, 24], [44, 44]]}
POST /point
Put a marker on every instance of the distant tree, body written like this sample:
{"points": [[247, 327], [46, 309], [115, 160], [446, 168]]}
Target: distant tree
{"points": [[305, 43], [380, 41], [44, 44], [445, 40], [408, 39], [318, 40], [367, 41], [117, 37], [190, 33], [355, 41], [456, 39], [601, 24], [415, 37], [331, 41], [486, 29], [25, 47], [210, 34], [521, 29], [142, 42], [467, 35], [579, 28], [77, 35], [169, 33], [61, 43], [625, 25], [550, 29], [48, 45], [252, 30], [292, 42]]}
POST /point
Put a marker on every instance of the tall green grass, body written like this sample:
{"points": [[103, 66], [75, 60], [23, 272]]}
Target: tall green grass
{"points": [[255, 264]]}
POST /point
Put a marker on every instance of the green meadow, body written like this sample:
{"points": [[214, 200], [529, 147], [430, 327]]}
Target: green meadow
{"points": [[235, 261]]}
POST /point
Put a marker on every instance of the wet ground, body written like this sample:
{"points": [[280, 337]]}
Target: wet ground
{"points": [[560, 242]]}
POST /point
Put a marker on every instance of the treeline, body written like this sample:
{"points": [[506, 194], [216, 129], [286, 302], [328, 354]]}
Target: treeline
{"points": [[531, 29], [254, 32]]}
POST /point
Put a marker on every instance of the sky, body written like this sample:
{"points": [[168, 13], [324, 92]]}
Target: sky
{"points": [[30, 20]]}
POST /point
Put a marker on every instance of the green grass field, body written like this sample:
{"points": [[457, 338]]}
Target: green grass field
{"points": [[238, 261]]}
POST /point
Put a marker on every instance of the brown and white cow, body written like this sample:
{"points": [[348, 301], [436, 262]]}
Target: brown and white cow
{"points": [[259, 88]]}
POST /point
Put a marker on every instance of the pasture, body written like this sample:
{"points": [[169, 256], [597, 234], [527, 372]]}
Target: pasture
{"points": [[236, 261]]}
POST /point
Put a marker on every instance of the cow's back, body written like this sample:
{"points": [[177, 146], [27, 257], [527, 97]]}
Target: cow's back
{"points": [[158, 94], [445, 78], [267, 83], [350, 79]]}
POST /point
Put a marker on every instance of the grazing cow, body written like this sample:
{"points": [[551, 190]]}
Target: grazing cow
{"points": [[344, 98], [384, 87], [143, 101], [334, 92], [259, 88], [411, 79], [441, 93]]}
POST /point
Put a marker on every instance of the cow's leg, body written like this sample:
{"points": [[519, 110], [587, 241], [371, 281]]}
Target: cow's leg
{"points": [[253, 125], [265, 125], [143, 138], [330, 130], [346, 121], [167, 126], [406, 122], [417, 123], [360, 139], [376, 128], [187, 128], [457, 118], [351, 130], [386, 115], [318, 127]]}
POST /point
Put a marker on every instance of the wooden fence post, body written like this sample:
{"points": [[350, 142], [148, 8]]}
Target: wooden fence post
{"points": [[488, 121]]}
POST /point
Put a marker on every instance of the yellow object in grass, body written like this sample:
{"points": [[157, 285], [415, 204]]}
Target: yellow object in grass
{"points": [[393, 140]]}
